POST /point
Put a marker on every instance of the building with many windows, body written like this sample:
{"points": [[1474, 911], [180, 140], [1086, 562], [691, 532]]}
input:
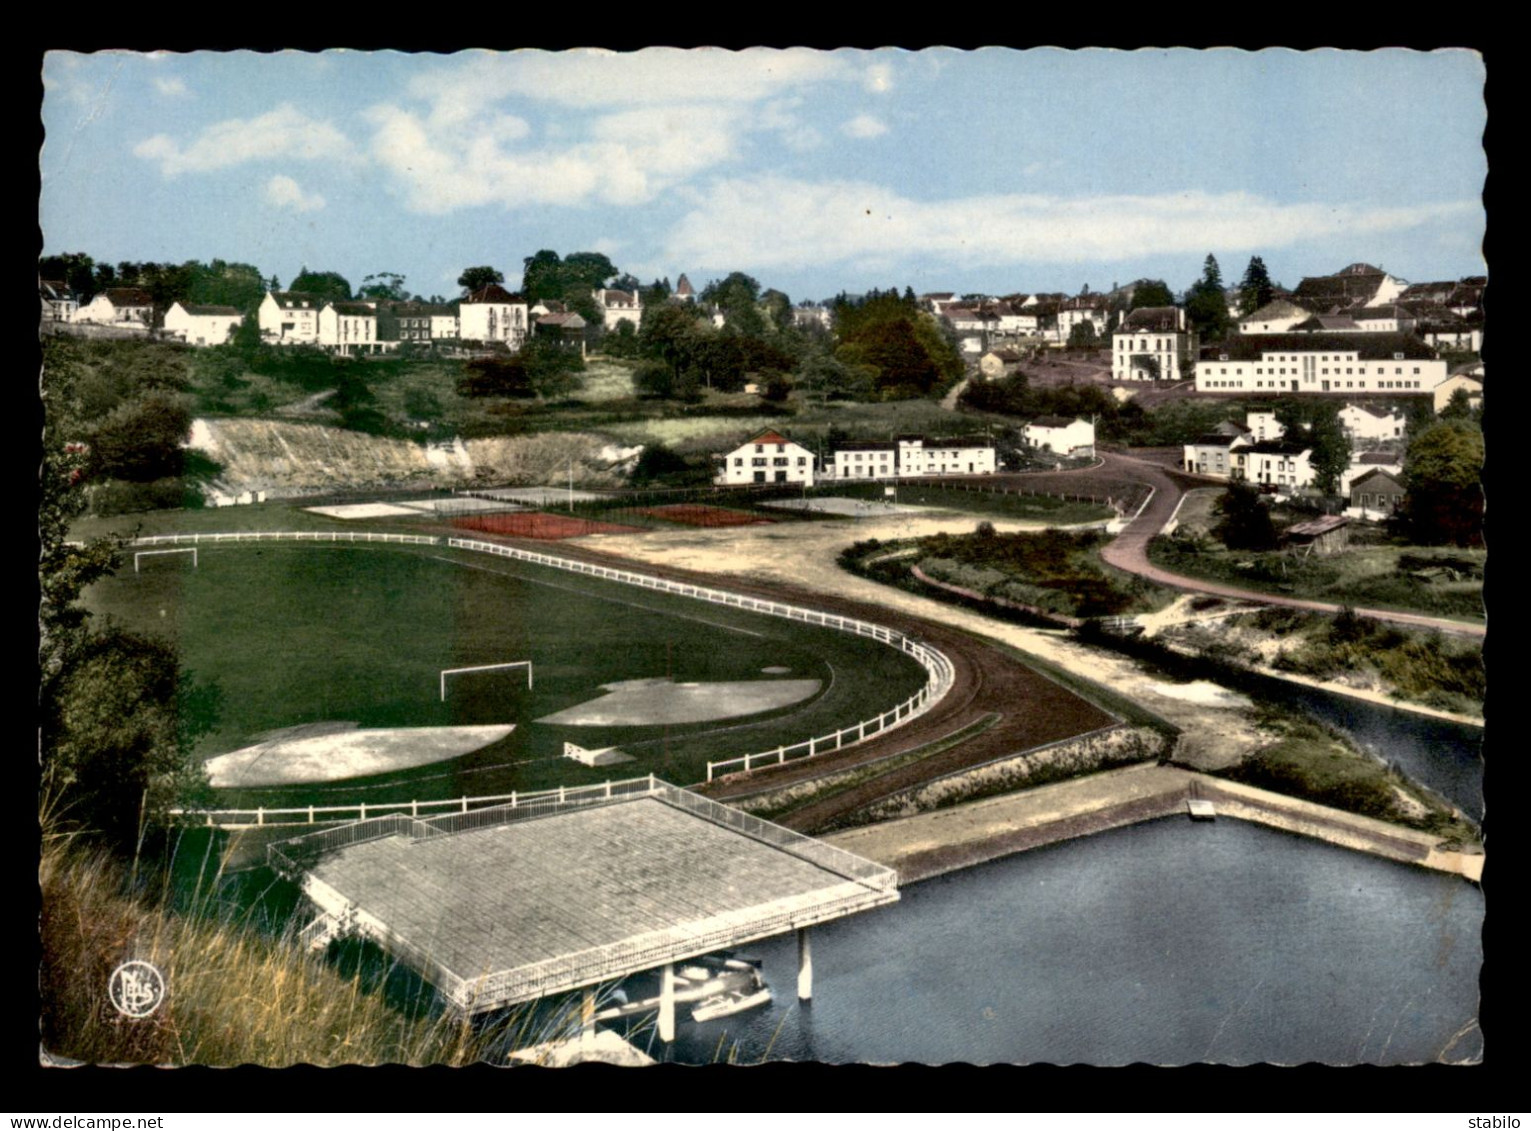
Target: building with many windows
{"points": [[767, 458], [493, 314], [909, 456], [1153, 343], [1320, 363]]}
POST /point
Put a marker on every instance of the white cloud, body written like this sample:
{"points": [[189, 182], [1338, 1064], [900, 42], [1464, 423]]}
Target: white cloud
{"points": [[624, 158], [863, 125], [284, 192], [878, 78], [597, 78], [170, 87], [284, 133], [777, 222]]}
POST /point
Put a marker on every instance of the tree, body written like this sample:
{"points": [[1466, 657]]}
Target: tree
{"points": [[1244, 523], [1331, 447], [117, 718], [1459, 407], [736, 296], [1443, 500], [387, 286], [477, 278], [1255, 288], [552, 368], [1082, 335], [1151, 292], [75, 270], [1207, 304], [325, 284], [495, 377]]}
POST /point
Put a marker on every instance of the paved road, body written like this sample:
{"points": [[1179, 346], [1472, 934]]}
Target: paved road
{"points": [[1129, 551]]}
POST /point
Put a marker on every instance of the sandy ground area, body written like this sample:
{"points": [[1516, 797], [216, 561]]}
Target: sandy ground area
{"points": [[336, 754], [1216, 732], [649, 702], [362, 510], [853, 508]]}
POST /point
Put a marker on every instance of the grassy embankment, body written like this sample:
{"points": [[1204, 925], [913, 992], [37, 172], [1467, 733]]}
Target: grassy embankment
{"points": [[1414, 665], [1404, 578], [1058, 573], [1315, 763], [236, 994]]}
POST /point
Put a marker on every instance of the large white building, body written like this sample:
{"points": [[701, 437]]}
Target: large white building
{"points": [[202, 325], [767, 458], [1153, 343], [1365, 423], [493, 314], [910, 456], [1321, 363]]}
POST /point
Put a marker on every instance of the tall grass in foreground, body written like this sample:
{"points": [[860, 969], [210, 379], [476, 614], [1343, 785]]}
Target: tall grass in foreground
{"points": [[234, 996]]}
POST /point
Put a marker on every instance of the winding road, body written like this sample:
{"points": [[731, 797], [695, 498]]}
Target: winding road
{"points": [[1129, 552]]}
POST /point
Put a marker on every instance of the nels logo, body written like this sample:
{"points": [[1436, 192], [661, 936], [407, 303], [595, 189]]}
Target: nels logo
{"points": [[136, 988]]}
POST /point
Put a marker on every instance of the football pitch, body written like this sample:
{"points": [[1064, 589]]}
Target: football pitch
{"points": [[299, 635]]}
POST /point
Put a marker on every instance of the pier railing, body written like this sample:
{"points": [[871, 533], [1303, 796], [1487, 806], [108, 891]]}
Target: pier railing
{"points": [[866, 884], [940, 673]]}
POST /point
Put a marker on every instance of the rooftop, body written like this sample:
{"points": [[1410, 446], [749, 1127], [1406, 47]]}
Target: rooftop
{"points": [[504, 905]]}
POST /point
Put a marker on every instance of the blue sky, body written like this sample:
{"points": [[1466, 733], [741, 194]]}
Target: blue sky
{"points": [[993, 170]]}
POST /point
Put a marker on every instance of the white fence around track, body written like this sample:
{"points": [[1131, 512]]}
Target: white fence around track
{"points": [[940, 674]]}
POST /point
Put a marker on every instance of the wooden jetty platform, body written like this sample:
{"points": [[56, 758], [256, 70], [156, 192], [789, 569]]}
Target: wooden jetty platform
{"points": [[1201, 809], [505, 905]]}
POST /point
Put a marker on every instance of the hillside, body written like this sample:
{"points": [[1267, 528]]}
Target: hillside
{"points": [[284, 458]]}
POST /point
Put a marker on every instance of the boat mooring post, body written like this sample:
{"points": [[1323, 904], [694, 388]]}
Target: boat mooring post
{"points": [[804, 966], [667, 1003], [587, 1016]]}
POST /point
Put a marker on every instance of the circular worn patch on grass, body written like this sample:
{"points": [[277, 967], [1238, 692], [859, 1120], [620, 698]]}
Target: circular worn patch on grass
{"points": [[334, 754], [650, 702]]}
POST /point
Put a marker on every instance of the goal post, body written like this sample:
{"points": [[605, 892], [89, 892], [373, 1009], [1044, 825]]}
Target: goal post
{"points": [[139, 555], [527, 664]]}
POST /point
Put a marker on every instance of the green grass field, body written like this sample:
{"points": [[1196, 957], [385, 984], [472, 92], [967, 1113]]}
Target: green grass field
{"points": [[980, 501], [295, 634]]}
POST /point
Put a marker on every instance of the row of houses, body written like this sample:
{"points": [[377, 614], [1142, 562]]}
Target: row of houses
{"points": [[771, 457], [490, 314], [1258, 451]]}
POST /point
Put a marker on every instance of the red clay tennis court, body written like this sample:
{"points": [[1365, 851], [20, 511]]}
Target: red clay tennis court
{"points": [[535, 524], [699, 514]]}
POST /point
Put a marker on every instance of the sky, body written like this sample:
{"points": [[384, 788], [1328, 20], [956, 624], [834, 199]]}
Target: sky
{"points": [[990, 171]]}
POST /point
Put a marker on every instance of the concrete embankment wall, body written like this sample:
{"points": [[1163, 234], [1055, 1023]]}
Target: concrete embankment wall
{"points": [[945, 840]]}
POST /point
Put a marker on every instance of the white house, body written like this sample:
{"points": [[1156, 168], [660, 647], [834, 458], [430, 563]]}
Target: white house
{"points": [[348, 327], [1062, 435], [962, 455], [493, 314], [445, 325], [1389, 318], [1365, 422], [1320, 363], [1462, 379], [1212, 454], [812, 316], [863, 459], [767, 458], [619, 306], [1275, 317], [1153, 343], [1263, 425], [116, 305], [1274, 462], [290, 317], [202, 325], [1094, 309], [59, 304], [910, 456]]}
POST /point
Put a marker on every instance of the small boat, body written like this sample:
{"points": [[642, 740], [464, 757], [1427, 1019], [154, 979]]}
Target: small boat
{"points": [[726, 1005]]}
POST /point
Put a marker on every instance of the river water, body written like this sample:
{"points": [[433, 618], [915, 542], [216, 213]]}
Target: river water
{"points": [[1167, 943]]}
